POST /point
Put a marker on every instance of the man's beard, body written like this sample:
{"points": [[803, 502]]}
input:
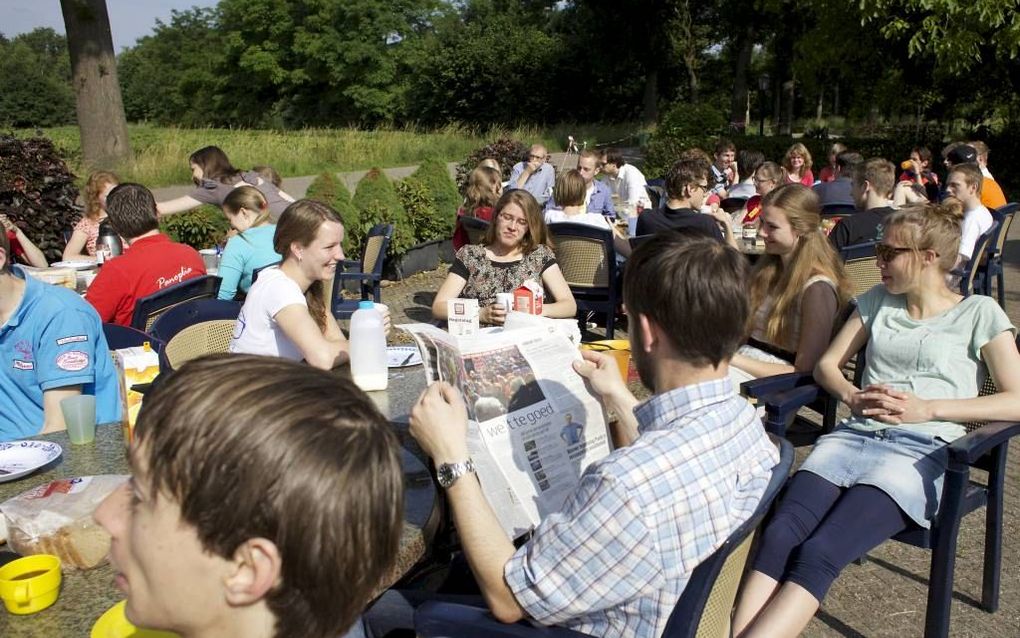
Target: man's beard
{"points": [[642, 360]]}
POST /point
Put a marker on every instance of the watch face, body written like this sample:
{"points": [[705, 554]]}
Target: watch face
{"points": [[445, 475]]}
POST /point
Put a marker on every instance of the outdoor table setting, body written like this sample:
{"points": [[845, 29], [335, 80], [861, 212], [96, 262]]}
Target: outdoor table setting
{"points": [[85, 595]]}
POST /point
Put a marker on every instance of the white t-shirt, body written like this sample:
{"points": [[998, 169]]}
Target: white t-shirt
{"points": [[629, 186], [976, 222], [555, 215], [257, 331]]}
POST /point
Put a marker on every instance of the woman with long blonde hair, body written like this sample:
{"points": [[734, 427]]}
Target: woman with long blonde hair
{"points": [[484, 186], [86, 231], [798, 288], [797, 165]]}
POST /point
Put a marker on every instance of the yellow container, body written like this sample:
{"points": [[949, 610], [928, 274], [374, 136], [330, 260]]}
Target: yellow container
{"points": [[30, 584], [618, 349]]}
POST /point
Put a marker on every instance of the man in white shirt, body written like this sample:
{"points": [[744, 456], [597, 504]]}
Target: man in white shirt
{"points": [[964, 183], [625, 180]]}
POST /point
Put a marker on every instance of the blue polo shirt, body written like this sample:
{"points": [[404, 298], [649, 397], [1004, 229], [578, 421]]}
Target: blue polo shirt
{"points": [[54, 339]]}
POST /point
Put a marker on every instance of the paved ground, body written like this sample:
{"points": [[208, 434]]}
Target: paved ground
{"points": [[887, 595]]}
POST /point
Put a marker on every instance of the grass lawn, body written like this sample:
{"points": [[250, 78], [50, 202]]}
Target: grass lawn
{"points": [[161, 153]]}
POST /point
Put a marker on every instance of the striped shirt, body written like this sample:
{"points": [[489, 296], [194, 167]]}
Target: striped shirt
{"points": [[615, 560]]}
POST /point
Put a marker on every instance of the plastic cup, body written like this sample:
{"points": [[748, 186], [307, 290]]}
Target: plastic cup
{"points": [[80, 418], [632, 226], [30, 584], [210, 258], [505, 299]]}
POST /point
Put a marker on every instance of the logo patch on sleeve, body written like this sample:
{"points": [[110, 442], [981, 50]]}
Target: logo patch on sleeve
{"points": [[72, 339], [73, 360], [23, 365]]}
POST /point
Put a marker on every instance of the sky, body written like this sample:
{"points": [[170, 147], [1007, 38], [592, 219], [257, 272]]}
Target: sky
{"points": [[129, 19]]}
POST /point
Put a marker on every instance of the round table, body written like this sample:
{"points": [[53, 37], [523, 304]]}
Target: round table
{"points": [[86, 595]]}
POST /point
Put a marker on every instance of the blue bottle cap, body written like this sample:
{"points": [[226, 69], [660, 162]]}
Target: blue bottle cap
{"points": [[366, 303]]}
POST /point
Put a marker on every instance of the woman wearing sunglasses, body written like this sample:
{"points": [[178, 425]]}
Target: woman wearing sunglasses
{"points": [[928, 353], [517, 248]]}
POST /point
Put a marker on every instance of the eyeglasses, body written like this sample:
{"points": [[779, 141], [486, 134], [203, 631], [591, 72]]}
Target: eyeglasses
{"points": [[513, 221], [887, 253], [763, 181], [703, 187]]}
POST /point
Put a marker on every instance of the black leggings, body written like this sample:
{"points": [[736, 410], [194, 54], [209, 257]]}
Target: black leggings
{"points": [[820, 528]]}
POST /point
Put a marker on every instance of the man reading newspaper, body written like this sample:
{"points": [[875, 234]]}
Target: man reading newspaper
{"points": [[692, 465]]}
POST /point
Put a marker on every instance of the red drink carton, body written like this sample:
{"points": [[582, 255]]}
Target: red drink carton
{"points": [[528, 298]]}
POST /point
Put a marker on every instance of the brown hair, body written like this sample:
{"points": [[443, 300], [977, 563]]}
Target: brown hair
{"points": [[724, 145], [214, 164], [878, 172], [614, 156], [589, 154], [269, 174], [972, 175], [933, 227], [813, 255], [300, 224], [801, 151], [695, 282], [94, 187], [537, 235], [132, 210], [683, 173], [247, 197], [923, 154], [480, 189], [770, 170], [303, 458], [570, 189], [980, 148], [836, 148]]}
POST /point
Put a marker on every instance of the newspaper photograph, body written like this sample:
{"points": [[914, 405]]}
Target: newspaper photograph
{"points": [[533, 424]]}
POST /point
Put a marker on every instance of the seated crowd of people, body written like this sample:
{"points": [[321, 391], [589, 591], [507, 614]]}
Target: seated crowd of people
{"points": [[690, 465]]}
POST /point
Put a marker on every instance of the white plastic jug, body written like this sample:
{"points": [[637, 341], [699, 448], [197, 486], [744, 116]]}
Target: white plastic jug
{"points": [[368, 348]]}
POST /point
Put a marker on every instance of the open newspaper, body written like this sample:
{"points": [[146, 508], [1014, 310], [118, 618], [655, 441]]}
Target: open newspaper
{"points": [[533, 425]]}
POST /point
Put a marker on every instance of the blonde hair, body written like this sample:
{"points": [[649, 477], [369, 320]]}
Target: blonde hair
{"points": [[481, 187], [569, 189], [247, 197], [813, 255], [801, 151], [94, 187], [934, 227]]}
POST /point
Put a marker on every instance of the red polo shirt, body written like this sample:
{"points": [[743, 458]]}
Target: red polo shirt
{"points": [[147, 265]]}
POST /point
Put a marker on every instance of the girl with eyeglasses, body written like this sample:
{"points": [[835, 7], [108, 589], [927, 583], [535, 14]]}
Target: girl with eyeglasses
{"points": [[928, 351], [517, 248]]}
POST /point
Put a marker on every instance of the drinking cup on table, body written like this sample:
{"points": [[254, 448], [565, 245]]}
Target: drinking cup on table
{"points": [[80, 418], [30, 584], [210, 258], [505, 299]]}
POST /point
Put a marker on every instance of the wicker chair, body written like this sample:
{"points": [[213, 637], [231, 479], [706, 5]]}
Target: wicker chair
{"points": [[703, 610], [587, 258], [971, 272], [993, 261], [148, 309], [861, 266], [368, 278], [193, 329]]}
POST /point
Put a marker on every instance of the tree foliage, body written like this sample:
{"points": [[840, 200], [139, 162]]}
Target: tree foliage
{"points": [[35, 73]]}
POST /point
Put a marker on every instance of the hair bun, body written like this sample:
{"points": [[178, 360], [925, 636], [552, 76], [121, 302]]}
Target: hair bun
{"points": [[950, 208]]}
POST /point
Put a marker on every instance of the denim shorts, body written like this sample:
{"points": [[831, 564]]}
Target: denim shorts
{"points": [[907, 465]]}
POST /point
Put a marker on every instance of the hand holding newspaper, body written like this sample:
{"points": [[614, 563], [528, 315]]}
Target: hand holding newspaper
{"points": [[533, 426]]}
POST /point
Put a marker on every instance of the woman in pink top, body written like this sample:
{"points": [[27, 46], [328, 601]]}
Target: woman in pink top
{"points": [[797, 166], [86, 231]]}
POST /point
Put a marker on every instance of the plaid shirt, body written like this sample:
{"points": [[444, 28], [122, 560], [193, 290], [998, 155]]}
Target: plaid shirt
{"points": [[615, 560]]}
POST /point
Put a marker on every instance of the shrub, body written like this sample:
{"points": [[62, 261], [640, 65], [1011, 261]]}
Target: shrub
{"points": [[434, 175], [420, 205], [505, 150], [37, 192], [682, 127], [202, 227], [328, 189], [377, 202]]}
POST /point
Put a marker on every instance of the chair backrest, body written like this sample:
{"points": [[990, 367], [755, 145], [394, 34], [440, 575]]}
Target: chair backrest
{"points": [[585, 254], [374, 255], [861, 266], [475, 228], [191, 312], [732, 204], [706, 604], [978, 258], [194, 328], [118, 337], [1004, 215], [255, 273], [148, 309], [656, 194]]}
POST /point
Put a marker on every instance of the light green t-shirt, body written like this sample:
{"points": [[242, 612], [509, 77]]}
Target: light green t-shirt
{"points": [[934, 358]]}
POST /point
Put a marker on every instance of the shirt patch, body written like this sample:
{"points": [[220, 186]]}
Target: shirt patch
{"points": [[23, 365], [72, 339], [24, 348], [73, 361]]}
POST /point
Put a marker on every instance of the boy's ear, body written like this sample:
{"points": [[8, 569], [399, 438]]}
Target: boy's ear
{"points": [[257, 568]]}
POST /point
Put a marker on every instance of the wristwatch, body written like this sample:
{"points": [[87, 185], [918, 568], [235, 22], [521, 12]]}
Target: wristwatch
{"points": [[448, 473]]}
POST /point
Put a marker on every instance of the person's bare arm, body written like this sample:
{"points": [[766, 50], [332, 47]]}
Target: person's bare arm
{"points": [[725, 221], [324, 351], [451, 288], [53, 417], [33, 255], [564, 306], [75, 247], [178, 205]]}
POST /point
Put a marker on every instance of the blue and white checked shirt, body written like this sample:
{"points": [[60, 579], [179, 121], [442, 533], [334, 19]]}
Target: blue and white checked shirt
{"points": [[616, 559]]}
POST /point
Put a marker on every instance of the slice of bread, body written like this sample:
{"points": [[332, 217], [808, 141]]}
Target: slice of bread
{"points": [[82, 544]]}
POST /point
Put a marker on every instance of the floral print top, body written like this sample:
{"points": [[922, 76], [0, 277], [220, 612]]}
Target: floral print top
{"points": [[91, 229], [485, 278]]}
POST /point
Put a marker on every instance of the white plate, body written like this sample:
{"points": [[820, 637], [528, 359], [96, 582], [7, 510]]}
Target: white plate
{"points": [[19, 458], [397, 356], [82, 264]]}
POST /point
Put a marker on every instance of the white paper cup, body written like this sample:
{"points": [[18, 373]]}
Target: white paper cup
{"points": [[505, 299]]}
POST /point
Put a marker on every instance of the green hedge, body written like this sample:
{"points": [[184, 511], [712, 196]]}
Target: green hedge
{"points": [[433, 175], [377, 202], [328, 189], [202, 227]]}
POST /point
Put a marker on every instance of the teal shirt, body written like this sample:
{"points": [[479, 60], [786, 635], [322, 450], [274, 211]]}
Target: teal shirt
{"points": [[244, 253], [934, 358]]}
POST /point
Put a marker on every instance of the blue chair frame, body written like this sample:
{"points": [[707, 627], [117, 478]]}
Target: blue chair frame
{"points": [[187, 314], [589, 294], [148, 309], [368, 274], [118, 337], [448, 620], [984, 447], [971, 273], [992, 268], [474, 227]]}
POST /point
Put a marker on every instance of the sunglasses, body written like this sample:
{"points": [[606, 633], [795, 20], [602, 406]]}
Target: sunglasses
{"points": [[888, 253]]}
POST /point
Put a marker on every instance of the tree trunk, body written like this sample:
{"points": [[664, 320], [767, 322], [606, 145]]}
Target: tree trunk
{"points": [[650, 108], [818, 110], [788, 93], [104, 136], [739, 100], [692, 82]]}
